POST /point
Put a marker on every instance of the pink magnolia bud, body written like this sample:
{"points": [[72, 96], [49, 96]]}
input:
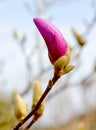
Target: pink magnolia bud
{"points": [[54, 39]]}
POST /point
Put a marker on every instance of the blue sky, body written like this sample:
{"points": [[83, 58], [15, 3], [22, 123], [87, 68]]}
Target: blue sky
{"points": [[14, 13]]}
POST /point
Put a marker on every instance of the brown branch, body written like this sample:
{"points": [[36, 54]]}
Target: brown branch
{"points": [[49, 87], [31, 123]]}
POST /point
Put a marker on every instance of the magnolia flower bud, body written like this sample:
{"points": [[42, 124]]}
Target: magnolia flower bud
{"points": [[37, 93], [20, 109], [54, 40], [78, 37], [58, 50]]}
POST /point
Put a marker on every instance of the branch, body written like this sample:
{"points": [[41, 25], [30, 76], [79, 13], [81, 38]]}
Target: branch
{"points": [[84, 82], [49, 87]]}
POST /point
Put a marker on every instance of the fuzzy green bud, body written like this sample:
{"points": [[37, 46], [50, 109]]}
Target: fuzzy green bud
{"points": [[37, 93], [20, 109], [78, 37], [61, 66], [68, 68]]}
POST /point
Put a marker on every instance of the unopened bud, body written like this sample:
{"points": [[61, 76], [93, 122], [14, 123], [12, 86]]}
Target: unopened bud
{"points": [[54, 39], [20, 109], [37, 93], [78, 37], [15, 34]]}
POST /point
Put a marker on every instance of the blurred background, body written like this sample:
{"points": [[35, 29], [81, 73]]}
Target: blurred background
{"points": [[71, 105]]}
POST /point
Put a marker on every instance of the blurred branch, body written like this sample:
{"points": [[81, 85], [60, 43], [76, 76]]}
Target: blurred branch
{"points": [[40, 6], [90, 26], [36, 77], [93, 21], [94, 6]]}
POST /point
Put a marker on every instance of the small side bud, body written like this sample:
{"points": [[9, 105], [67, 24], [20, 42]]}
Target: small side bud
{"points": [[15, 34], [78, 37], [37, 93], [20, 109], [68, 69]]}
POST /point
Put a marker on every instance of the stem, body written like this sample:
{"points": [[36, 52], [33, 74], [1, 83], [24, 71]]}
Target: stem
{"points": [[49, 87], [31, 123]]}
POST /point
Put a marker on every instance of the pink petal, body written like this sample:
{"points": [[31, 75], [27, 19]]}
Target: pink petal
{"points": [[54, 39]]}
